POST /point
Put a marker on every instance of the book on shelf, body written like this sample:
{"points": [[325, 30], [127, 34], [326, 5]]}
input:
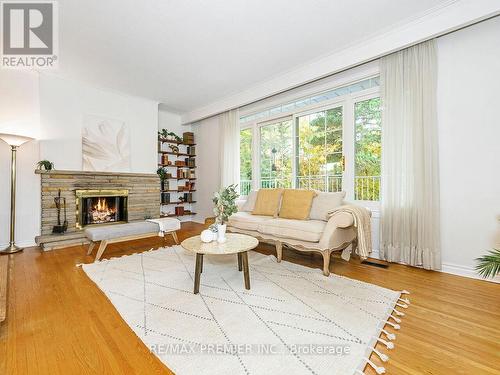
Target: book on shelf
{"points": [[191, 150], [179, 210], [190, 162], [165, 198]]}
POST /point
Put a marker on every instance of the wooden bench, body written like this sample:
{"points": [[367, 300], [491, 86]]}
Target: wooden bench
{"points": [[127, 232]]}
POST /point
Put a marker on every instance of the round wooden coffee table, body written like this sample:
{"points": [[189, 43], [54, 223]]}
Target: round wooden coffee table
{"points": [[235, 244]]}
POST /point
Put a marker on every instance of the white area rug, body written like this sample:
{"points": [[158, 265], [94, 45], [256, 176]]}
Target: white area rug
{"points": [[278, 327]]}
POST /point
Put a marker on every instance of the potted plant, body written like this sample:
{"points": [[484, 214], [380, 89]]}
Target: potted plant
{"points": [[489, 265], [224, 206], [45, 165], [162, 173]]}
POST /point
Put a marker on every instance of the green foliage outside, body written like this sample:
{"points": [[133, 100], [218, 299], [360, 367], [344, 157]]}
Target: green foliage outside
{"points": [[319, 153]]}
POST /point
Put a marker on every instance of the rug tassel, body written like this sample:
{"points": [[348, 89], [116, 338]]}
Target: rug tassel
{"points": [[383, 357], [398, 313], [405, 300], [405, 292], [378, 370], [395, 326], [402, 305], [397, 320], [388, 344], [390, 336]]}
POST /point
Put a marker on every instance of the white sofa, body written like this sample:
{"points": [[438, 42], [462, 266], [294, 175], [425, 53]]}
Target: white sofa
{"points": [[319, 233]]}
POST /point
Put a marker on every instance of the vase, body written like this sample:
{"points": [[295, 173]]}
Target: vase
{"points": [[221, 233]]}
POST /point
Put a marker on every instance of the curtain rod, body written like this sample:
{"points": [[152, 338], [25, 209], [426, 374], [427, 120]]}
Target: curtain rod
{"points": [[364, 62]]}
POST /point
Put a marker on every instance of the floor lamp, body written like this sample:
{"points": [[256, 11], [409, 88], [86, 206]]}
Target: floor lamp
{"points": [[14, 142]]}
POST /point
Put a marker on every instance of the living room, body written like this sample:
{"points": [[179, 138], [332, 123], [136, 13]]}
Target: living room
{"points": [[250, 187]]}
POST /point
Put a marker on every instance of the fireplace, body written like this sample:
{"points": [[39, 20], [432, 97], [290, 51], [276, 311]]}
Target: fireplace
{"points": [[96, 207]]}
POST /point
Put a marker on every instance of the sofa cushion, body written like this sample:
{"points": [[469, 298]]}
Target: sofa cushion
{"points": [[305, 230], [249, 204], [247, 221], [324, 203], [268, 202], [296, 204]]}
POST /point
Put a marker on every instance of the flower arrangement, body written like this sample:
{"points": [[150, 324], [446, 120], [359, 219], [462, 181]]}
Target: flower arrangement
{"points": [[225, 203]]}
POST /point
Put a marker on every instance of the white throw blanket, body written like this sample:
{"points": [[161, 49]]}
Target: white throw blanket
{"points": [[166, 224], [362, 223]]}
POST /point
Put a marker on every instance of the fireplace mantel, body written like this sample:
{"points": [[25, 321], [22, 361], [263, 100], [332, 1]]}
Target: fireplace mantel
{"points": [[87, 173], [143, 195]]}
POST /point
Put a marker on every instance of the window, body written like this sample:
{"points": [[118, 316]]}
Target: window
{"points": [[368, 149], [276, 155], [246, 161], [329, 141], [319, 150]]}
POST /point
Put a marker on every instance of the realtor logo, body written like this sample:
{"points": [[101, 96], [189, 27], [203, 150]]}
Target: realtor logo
{"points": [[29, 34]]}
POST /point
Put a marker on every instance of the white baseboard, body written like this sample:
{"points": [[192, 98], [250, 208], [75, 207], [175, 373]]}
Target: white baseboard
{"points": [[20, 244], [470, 272]]}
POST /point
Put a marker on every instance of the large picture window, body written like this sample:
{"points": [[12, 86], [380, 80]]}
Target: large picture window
{"points": [[276, 155], [246, 138], [332, 144]]}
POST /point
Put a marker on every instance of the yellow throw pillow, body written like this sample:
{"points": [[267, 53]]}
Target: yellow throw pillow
{"points": [[268, 202], [296, 204]]}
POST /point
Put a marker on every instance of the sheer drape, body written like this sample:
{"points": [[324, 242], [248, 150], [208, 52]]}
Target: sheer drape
{"points": [[410, 178], [229, 147]]}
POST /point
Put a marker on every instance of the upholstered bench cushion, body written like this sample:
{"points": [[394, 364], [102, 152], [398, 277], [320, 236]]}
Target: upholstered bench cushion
{"points": [[109, 232]]}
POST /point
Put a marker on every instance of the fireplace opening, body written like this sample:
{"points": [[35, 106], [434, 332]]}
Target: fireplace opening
{"points": [[96, 207]]}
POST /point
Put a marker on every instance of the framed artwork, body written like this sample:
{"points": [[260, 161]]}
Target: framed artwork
{"points": [[105, 145]]}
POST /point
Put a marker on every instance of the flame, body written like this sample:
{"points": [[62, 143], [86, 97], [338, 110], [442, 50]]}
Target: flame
{"points": [[101, 212]]}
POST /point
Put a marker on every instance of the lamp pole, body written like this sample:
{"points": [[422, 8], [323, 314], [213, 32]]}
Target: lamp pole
{"points": [[12, 248]]}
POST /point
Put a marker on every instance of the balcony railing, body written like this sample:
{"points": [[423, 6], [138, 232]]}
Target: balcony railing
{"points": [[366, 188]]}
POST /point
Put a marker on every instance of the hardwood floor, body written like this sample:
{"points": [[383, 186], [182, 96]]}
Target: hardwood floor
{"points": [[58, 322]]}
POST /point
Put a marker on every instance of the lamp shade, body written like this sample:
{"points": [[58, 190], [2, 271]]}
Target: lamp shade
{"points": [[14, 140]]}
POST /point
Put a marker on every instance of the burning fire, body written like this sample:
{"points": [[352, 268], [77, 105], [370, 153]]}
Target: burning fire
{"points": [[102, 213]]}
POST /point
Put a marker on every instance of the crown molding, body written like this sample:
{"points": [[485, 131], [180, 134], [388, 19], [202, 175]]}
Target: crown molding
{"points": [[445, 18]]}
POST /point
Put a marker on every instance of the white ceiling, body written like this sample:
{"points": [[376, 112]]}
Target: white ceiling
{"points": [[188, 54]]}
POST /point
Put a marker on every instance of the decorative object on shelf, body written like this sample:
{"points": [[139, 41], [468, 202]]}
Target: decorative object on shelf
{"points": [[174, 148], [105, 145], [169, 136], [162, 173], [224, 201], [489, 265], [14, 141], [60, 201], [188, 138], [45, 165]]}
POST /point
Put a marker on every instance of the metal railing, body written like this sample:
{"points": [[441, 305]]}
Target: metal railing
{"points": [[366, 188]]}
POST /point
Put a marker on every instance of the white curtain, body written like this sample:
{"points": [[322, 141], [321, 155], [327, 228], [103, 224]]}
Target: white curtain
{"points": [[410, 176], [229, 125]]}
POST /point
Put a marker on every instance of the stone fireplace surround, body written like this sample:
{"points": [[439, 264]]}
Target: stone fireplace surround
{"points": [[143, 200]]}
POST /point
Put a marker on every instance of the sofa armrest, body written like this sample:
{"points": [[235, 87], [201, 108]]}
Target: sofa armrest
{"points": [[338, 227]]}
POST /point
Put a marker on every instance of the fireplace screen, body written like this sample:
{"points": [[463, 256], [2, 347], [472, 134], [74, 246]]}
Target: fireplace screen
{"points": [[101, 207]]}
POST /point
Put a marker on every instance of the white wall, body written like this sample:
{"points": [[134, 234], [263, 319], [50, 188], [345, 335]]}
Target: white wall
{"points": [[63, 105], [206, 133], [52, 110], [469, 143], [19, 114]]}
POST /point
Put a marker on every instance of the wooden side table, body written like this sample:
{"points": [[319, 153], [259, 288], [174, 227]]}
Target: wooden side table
{"points": [[236, 243]]}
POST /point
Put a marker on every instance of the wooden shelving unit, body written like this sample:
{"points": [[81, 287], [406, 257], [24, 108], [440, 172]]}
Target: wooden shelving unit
{"points": [[169, 152]]}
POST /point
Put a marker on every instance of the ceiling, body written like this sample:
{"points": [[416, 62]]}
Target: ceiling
{"points": [[188, 54]]}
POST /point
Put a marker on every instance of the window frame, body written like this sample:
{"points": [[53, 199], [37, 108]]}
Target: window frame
{"points": [[347, 102]]}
